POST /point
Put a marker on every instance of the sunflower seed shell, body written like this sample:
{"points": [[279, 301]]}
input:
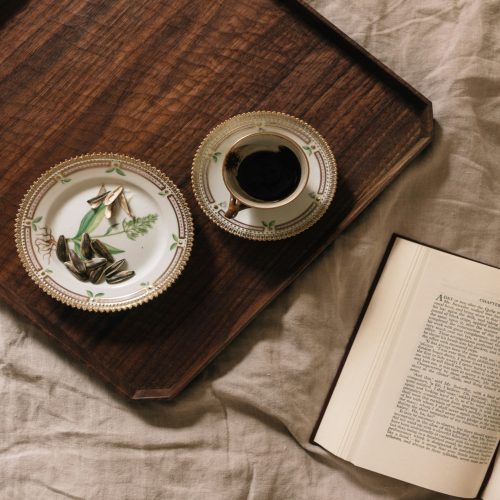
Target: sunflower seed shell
{"points": [[100, 249], [82, 276], [86, 247], [62, 250], [95, 263], [113, 195], [77, 262], [120, 277], [109, 211], [96, 275], [124, 204], [113, 269], [97, 200]]}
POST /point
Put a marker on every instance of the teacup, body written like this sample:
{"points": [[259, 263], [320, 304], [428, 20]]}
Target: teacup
{"points": [[264, 170]]}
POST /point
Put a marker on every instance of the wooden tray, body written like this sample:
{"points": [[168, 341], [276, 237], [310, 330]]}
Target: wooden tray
{"points": [[150, 79]]}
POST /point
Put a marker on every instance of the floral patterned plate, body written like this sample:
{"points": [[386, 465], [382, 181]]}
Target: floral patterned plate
{"points": [[271, 223], [156, 241]]}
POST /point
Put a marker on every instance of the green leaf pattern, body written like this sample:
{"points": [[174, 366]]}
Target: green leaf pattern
{"points": [[117, 170], [309, 149], [315, 197], [90, 220], [113, 250], [34, 223], [221, 204], [147, 286], [62, 179], [92, 296], [138, 226], [175, 243], [110, 228]]}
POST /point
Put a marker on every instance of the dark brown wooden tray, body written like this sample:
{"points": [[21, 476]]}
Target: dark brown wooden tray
{"points": [[150, 79]]}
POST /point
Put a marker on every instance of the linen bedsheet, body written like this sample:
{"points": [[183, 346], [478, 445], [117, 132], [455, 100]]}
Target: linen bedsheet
{"points": [[241, 430]]}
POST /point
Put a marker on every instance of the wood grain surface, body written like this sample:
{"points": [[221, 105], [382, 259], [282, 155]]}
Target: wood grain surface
{"points": [[149, 80]]}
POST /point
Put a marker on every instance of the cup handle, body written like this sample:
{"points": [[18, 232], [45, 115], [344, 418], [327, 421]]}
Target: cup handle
{"points": [[234, 207]]}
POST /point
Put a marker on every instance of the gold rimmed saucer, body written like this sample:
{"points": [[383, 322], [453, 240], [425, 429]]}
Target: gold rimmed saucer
{"points": [[271, 223]]}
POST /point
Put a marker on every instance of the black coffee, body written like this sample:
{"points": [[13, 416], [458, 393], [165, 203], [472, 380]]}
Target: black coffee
{"points": [[269, 175]]}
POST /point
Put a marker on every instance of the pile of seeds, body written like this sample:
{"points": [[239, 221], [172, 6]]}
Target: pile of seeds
{"points": [[97, 263]]}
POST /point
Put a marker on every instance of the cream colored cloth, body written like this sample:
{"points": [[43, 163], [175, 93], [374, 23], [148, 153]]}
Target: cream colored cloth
{"points": [[241, 430]]}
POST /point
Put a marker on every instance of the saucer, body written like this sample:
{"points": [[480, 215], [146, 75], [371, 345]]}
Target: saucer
{"points": [[271, 223], [155, 237]]}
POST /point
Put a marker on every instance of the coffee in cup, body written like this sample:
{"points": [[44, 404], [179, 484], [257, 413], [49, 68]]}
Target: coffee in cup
{"points": [[264, 170]]}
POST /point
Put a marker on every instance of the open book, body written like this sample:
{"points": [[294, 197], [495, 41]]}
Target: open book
{"points": [[418, 397]]}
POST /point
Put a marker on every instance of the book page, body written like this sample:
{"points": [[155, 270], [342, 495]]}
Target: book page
{"points": [[419, 396]]}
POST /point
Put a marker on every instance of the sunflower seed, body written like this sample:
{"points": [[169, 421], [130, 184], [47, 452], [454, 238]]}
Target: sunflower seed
{"points": [[119, 277], [113, 195], [77, 262], [113, 269], [85, 246], [124, 204], [109, 211], [96, 275], [95, 263], [97, 200], [101, 249], [82, 276], [62, 250]]}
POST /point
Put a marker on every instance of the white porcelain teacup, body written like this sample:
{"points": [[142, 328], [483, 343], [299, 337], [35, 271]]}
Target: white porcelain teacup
{"points": [[264, 170]]}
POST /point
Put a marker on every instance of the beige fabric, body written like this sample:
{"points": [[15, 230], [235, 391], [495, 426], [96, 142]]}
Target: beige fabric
{"points": [[241, 429]]}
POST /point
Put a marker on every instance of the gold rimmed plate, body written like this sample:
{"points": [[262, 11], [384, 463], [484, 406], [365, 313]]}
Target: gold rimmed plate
{"points": [[270, 223], [155, 238]]}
